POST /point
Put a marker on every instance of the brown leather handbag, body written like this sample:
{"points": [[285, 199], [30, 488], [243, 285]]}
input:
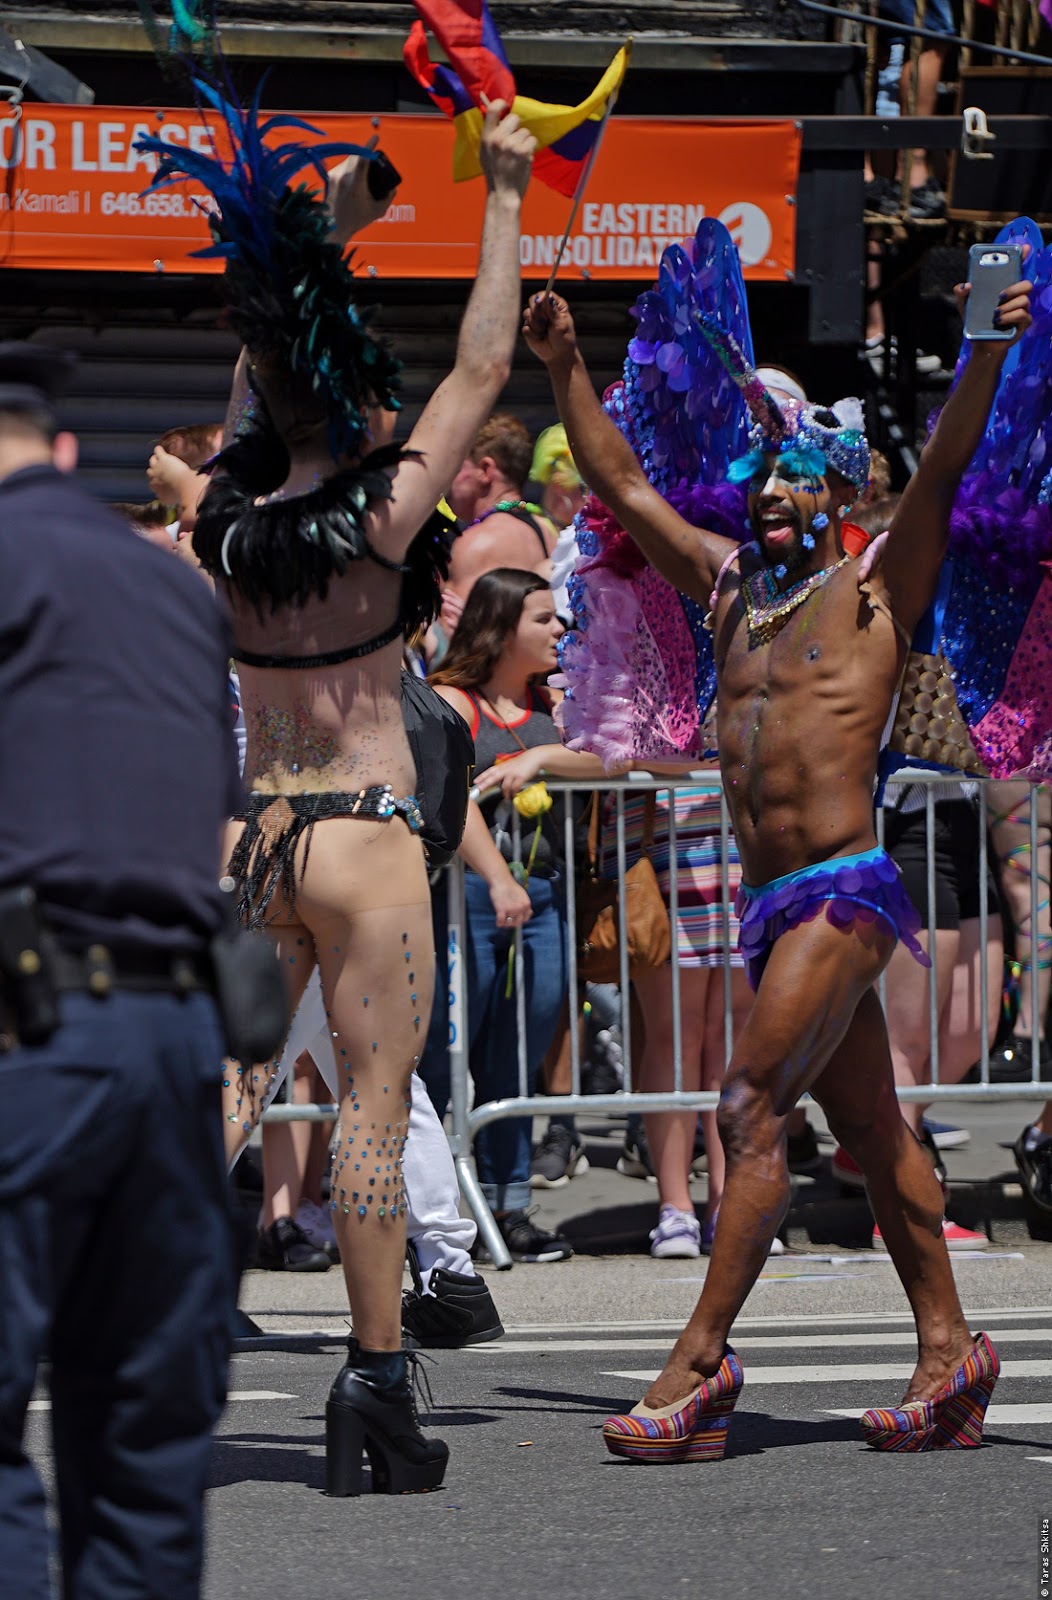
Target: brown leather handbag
{"points": [[646, 915]]}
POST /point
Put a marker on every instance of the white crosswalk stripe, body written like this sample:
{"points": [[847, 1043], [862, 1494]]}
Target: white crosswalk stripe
{"points": [[873, 1372], [750, 1341], [234, 1395]]}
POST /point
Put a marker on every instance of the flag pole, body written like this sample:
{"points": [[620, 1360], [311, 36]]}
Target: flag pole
{"points": [[582, 182]]}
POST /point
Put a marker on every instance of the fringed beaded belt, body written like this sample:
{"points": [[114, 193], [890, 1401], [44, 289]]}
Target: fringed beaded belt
{"points": [[265, 855]]}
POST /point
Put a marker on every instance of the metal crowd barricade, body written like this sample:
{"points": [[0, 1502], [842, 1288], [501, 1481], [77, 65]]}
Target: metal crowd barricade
{"points": [[466, 1122]]}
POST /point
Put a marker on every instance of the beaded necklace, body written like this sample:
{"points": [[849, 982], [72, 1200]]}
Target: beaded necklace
{"points": [[767, 607], [509, 505]]}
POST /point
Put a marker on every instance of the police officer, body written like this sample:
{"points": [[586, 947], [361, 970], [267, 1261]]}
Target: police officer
{"points": [[116, 772]]}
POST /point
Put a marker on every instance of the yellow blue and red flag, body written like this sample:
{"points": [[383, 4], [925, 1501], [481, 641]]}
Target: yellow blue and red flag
{"points": [[478, 66]]}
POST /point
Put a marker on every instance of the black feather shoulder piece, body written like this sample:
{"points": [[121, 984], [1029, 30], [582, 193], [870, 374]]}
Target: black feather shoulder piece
{"points": [[426, 568], [282, 551]]}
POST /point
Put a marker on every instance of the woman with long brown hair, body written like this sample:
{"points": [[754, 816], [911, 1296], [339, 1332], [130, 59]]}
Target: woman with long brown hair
{"points": [[504, 647]]}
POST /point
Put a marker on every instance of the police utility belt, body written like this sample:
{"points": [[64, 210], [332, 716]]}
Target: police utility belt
{"points": [[238, 968]]}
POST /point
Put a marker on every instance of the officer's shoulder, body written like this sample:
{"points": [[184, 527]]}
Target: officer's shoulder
{"points": [[177, 575]]}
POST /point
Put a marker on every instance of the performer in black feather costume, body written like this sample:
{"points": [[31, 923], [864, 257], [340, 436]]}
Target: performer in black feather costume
{"points": [[315, 529]]}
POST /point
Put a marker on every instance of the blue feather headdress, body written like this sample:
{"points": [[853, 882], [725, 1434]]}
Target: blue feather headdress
{"points": [[287, 282]]}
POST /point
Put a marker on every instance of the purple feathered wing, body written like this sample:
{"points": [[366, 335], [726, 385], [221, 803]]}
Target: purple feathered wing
{"points": [[638, 669]]}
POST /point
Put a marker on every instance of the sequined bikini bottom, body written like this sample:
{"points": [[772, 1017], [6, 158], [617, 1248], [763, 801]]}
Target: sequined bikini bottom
{"points": [[265, 855], [858, 888]]}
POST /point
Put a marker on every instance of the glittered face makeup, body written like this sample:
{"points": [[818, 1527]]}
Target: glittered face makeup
{"points": [[786, 509]]}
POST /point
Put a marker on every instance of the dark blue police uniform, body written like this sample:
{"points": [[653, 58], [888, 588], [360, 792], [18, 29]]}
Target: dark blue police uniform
{"points": [[116, 772]]}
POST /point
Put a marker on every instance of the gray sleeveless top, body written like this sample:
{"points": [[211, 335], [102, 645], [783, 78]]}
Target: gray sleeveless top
{"points": [[496, 741]]}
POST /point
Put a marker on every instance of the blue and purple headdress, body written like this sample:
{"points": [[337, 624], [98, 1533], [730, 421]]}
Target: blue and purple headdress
{"points": [[813, 439]]}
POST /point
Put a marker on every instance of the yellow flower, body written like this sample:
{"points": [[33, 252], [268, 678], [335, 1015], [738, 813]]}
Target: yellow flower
{"points": [[533, 801]]}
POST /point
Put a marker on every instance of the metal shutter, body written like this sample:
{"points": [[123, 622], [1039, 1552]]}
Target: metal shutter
{"points": [[136, 380]]}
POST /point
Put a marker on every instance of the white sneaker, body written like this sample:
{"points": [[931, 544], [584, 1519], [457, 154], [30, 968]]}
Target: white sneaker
{"points": [[678, 1234], [316, 1222]]}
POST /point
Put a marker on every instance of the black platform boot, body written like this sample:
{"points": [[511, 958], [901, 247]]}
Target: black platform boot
{"points": [[371, 1408]]}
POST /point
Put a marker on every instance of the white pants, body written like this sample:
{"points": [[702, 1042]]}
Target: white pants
{"points": [[439, 1235]]}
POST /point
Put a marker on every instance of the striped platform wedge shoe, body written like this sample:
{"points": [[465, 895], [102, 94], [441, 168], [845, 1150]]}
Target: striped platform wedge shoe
{"points": [[952, 1420], [693, 1430]]}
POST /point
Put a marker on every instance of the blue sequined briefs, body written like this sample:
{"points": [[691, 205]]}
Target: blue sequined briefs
{"points": [[858, 888], [265, 855]]}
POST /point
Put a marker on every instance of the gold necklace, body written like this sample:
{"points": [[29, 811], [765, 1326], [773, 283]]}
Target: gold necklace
{"points": [[768, 608]]}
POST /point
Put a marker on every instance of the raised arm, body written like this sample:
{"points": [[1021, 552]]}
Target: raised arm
{"points": [[688, 557], [463, 400], [175, 484], [920, 528]]}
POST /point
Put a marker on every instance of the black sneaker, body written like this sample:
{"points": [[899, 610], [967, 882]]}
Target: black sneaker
{"points": [[527, 1242], [558, 1158], [284, 1247], [926, 201], [1035, 1171], [459, 1311], [634, 1160], [883, 196], [1014, 1061], [802, 1150]]}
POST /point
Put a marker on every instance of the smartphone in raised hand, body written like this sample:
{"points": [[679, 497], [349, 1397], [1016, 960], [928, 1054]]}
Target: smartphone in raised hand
{"points": [[992, 268]]}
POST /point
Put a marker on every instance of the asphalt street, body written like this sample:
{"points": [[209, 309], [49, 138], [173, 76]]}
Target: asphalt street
{"points": [[534, 1507]]}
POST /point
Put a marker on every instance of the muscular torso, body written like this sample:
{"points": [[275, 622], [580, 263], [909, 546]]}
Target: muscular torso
{"points": [[799, 724], [325, 728]]}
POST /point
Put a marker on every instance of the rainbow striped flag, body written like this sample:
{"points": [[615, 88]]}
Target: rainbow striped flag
{"points": [[478, 66]]}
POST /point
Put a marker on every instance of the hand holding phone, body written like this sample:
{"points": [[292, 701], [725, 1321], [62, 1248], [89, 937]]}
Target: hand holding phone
{"points": [[992, 268]]}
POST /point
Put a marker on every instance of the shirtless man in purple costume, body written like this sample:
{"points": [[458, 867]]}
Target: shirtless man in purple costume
{"points": [[801, 711]]}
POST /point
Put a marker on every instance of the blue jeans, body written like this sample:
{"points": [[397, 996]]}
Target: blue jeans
{"points": [[502, 1149], [115, 1260]]}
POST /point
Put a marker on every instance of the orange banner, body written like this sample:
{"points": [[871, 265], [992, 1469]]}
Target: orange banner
{"points": [[71, 196]]}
